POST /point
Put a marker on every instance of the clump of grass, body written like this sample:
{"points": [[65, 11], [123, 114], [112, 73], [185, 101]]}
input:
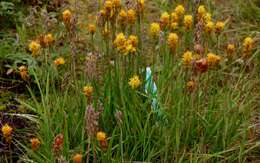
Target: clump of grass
{"points": [[195, 105]]}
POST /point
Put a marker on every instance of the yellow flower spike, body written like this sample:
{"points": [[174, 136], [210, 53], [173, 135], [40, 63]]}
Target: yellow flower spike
{"points": [[180, 10], [48, 39], [101, 136], [172, 40], [88, 90], [174, 26], [207, 17], [122, 17], [191, 85], [108, 5], [230, 49], [247, 46], [201, 11], [67, 15], [134, 82], [35, 143], [209, 27], [213, 59], [120, 42], [103, 13], [131, 16], [165, 19], [188, 21], [129, 49], [187, 58], [91, 29], [219, 26], [23, 72], [133, 40], [77, 158], [59, 61], [7, 131], [155, 29], [174, 17], [34, 47], [116, 3]]}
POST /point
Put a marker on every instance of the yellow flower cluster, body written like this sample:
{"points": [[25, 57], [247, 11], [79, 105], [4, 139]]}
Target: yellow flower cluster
{"points": [[188, 21], [88, 90], [213, 59], [131, 16], [125, 45], [7, 131], [165, 19], [34, 47], [155, 30], [209, 27], [101, 136], [179, 10], [35, 143], [172, 40], [77, 158], [91, 29], [59, 61], [67, 15], [230, 49], [247, 46], [48, 39], [122, 18], [187, 58], [219, 27], [134, 82], [23, 72]]}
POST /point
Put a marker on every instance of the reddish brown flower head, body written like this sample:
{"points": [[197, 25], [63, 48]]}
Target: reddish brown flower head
{"points": [[58, 143], [201, 65]]}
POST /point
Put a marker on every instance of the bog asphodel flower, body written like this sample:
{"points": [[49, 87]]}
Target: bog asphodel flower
{"points": [[34, 47], [174, 17], [131, 16], [35, 143], [213, 59], [91, 28], [88, 90], [133, 40], [219, 27], [134, 82], [247, 46], [230, 49], [122, 17], [174, 26], [101, 136], [116, 3], [66, 15], [179, 10], [165, 19], [7, 131], [155, 29], [187, 58], [188, 21], [48, 39], [207, 17], [120, 42], [23, 72], [59, 61], [172, 40], [108, 5], [201, 11], [191, 85], [77, 158], [209, 27]]}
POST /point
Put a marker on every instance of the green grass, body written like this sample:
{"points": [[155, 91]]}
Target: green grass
{"points": [[213, 123]]}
